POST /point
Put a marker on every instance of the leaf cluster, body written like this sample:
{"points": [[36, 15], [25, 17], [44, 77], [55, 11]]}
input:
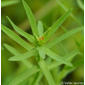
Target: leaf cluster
{"points": [[39, 47]]}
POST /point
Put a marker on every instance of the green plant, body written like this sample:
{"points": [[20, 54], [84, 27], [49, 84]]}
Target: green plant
{"points": [[80, 3], [8, 3], [40, 48]]}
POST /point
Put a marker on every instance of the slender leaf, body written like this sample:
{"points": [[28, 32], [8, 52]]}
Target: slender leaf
{"points": [[16, 38], [51, 66], [31, 18], [22, 57], [41, 52], [63, 74], [66, 9], [15, 52], [21, 77], [38, 79], [21, 32], [46, 72], [40, 28], [56, 57], [63, 37], [56, 25], [8, 3], [54, 65], [11, 49], [68, 57], [80, 3], [66, 70]]}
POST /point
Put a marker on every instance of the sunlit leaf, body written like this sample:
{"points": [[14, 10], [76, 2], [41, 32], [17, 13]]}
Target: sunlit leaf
{"points": [[21, 77], [21, 57], [40, 28], [46, 72], [15, 52], [64, 36], [66, 9], [55, 57], [8, 3], [41, 52], [56, 25], [16, 38], [37, 82], [80, 3], [66, 70], [31, 18], [21, 32]]}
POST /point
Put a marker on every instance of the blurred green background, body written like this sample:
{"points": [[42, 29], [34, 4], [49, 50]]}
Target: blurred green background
{"points": [[48, 11]]}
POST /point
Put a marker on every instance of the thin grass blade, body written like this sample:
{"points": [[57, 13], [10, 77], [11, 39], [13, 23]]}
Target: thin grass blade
{"points": [[46, 72], [80, 3], [56, 57], [16, 38], [37, 82], [56, 25], [40, 28], [29, 37], [21, 57], [41, 52], [23, 76], [31, 18], [8, 3], [64, 36], [66, 9], [15, 52]]}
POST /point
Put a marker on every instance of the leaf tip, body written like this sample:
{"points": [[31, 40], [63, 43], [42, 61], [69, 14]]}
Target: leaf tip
{"points": [[10, 59]]}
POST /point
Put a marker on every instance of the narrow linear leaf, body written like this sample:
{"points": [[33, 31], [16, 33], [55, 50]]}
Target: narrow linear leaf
{"points": [[63, 74], [22, 57], [56, 57], [68, 57], [46, 72], [15, 52], [38, 79], [8, 3], [56, 25], [40, 28], [66, 9], [41, 52], [51, 66], [21, 77], [54, 65], [66, 70], [16, 38], [80, 3], [63, 37], [11, 49], [34, 79], [21, 32], [31, 18]]}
